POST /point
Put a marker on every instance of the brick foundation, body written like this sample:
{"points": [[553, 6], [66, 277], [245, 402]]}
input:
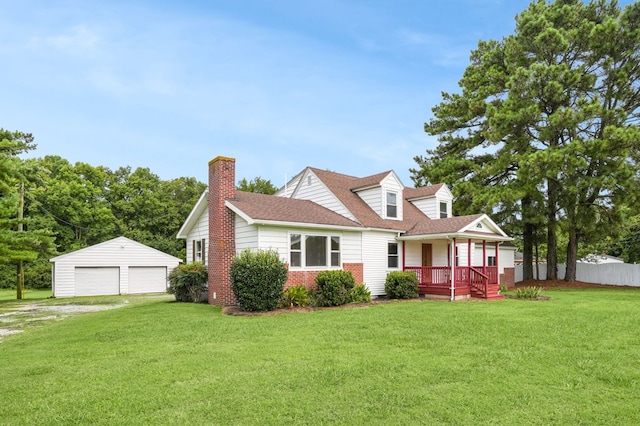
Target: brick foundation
{"points": [[222, 244], [308, 278], [508, 278]]}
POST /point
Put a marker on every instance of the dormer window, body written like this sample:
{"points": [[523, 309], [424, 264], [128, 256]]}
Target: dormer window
{"points": [[443, 210], [392, 204]]}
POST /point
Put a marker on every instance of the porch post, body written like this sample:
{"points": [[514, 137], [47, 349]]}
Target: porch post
{"points": [[453, 270], [484, 257], [497, 265], [469, 253], [403, 252]]}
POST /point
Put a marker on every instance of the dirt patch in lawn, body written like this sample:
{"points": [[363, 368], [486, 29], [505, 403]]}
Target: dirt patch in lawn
{"points": [[19, 317]]}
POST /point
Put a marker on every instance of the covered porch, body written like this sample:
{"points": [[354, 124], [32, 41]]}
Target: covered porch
{"points": [[471, 269]]}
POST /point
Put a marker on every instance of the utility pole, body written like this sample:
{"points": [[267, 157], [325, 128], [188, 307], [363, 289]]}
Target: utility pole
{"points": [[20, 272]]}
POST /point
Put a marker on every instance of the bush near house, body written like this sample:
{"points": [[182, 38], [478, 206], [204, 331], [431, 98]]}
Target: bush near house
{"points": [[188, 282], [257, 280], [333, 288], [401, 285], [296, 296], [360, 294]]}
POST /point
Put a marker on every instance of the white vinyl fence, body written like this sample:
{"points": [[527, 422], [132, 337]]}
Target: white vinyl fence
{"points": [[605, 273]]}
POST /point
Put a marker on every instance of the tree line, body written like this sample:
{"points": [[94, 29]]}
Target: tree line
{"points": [[544, 135], [49, 207], [67, 207]]}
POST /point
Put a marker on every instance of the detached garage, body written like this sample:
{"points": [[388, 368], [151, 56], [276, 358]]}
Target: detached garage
{"points": [[118, 266]]}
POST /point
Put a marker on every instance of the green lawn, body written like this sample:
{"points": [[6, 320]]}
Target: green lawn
{"points": [[571, 360], [29, 294]]}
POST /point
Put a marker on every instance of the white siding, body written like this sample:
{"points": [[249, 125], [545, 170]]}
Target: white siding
{"points": [[431, 206], [374, 257], [311, 188], [376, 197], [246, 235], [199, 232], [289, 187], [439, 255], [373, 197], [428, 207], [482, 227], [274, 238], [504, 261], [120, 252]]}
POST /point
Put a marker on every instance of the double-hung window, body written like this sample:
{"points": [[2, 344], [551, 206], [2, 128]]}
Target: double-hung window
{"points": [[392, 204], [312, 251], [198, 251], [443, 210], [392, 255]]}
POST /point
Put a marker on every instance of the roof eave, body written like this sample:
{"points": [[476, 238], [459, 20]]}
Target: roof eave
{"points": [[449, 236]]}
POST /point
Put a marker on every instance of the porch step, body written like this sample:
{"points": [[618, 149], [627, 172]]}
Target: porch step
{"points": [[493, 293]]}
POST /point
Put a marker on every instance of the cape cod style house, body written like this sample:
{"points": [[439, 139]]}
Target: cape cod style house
{"points": [[370, 226]]}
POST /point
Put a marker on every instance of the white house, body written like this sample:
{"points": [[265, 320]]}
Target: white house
{"points": [[117, 266], [370, 226]]}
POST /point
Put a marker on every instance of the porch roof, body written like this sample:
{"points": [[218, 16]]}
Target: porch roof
{"points": [[462, 227]]}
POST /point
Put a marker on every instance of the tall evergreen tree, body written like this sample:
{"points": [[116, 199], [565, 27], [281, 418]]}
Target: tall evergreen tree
{"points": [[18, 241], [553, 110]]}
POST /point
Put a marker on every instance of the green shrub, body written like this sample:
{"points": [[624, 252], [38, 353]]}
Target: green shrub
{"points": [[257, 280], [188, 283], [401, 285], [503, 288], [297, 295], [333, 287], [528, 292], [360, 294]]}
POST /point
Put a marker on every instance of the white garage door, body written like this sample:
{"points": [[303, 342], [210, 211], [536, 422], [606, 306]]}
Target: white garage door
{"points": [[97, 281], [150, 279]]}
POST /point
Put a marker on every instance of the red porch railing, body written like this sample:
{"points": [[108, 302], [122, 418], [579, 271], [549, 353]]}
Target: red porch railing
{"points": [[435, 279]]}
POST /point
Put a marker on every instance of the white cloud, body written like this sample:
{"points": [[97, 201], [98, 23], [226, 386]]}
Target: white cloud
{"points": [[78, 40]]}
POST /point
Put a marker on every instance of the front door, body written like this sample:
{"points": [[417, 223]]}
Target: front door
{"points": [[427, 254]]}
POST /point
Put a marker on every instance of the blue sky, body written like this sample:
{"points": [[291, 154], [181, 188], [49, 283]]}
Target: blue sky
{"points": [[279, 85]]}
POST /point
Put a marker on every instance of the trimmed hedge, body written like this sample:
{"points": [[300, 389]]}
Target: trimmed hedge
{"points": [[333, 287], [401, 285], [257, 280]]}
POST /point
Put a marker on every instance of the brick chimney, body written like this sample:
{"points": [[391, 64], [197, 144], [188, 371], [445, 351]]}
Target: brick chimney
{"points": [[222, 240]]}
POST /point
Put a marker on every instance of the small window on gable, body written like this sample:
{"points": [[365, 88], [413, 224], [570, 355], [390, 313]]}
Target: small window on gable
{"points": [[479, 226], [392, 205], [443, 210]]}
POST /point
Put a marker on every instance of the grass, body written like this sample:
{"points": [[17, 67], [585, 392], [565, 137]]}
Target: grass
{"points": [[29, 294], [570, 360]]}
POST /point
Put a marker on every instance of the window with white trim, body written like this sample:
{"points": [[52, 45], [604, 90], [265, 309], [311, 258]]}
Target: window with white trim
{"points": [[491, 261], [313, 251], [392, 204], [443, 210], [392, 255], [198, 253]]}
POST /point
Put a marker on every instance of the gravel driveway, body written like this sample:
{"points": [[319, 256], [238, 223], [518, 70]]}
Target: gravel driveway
{"points": [[16, 317]]}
